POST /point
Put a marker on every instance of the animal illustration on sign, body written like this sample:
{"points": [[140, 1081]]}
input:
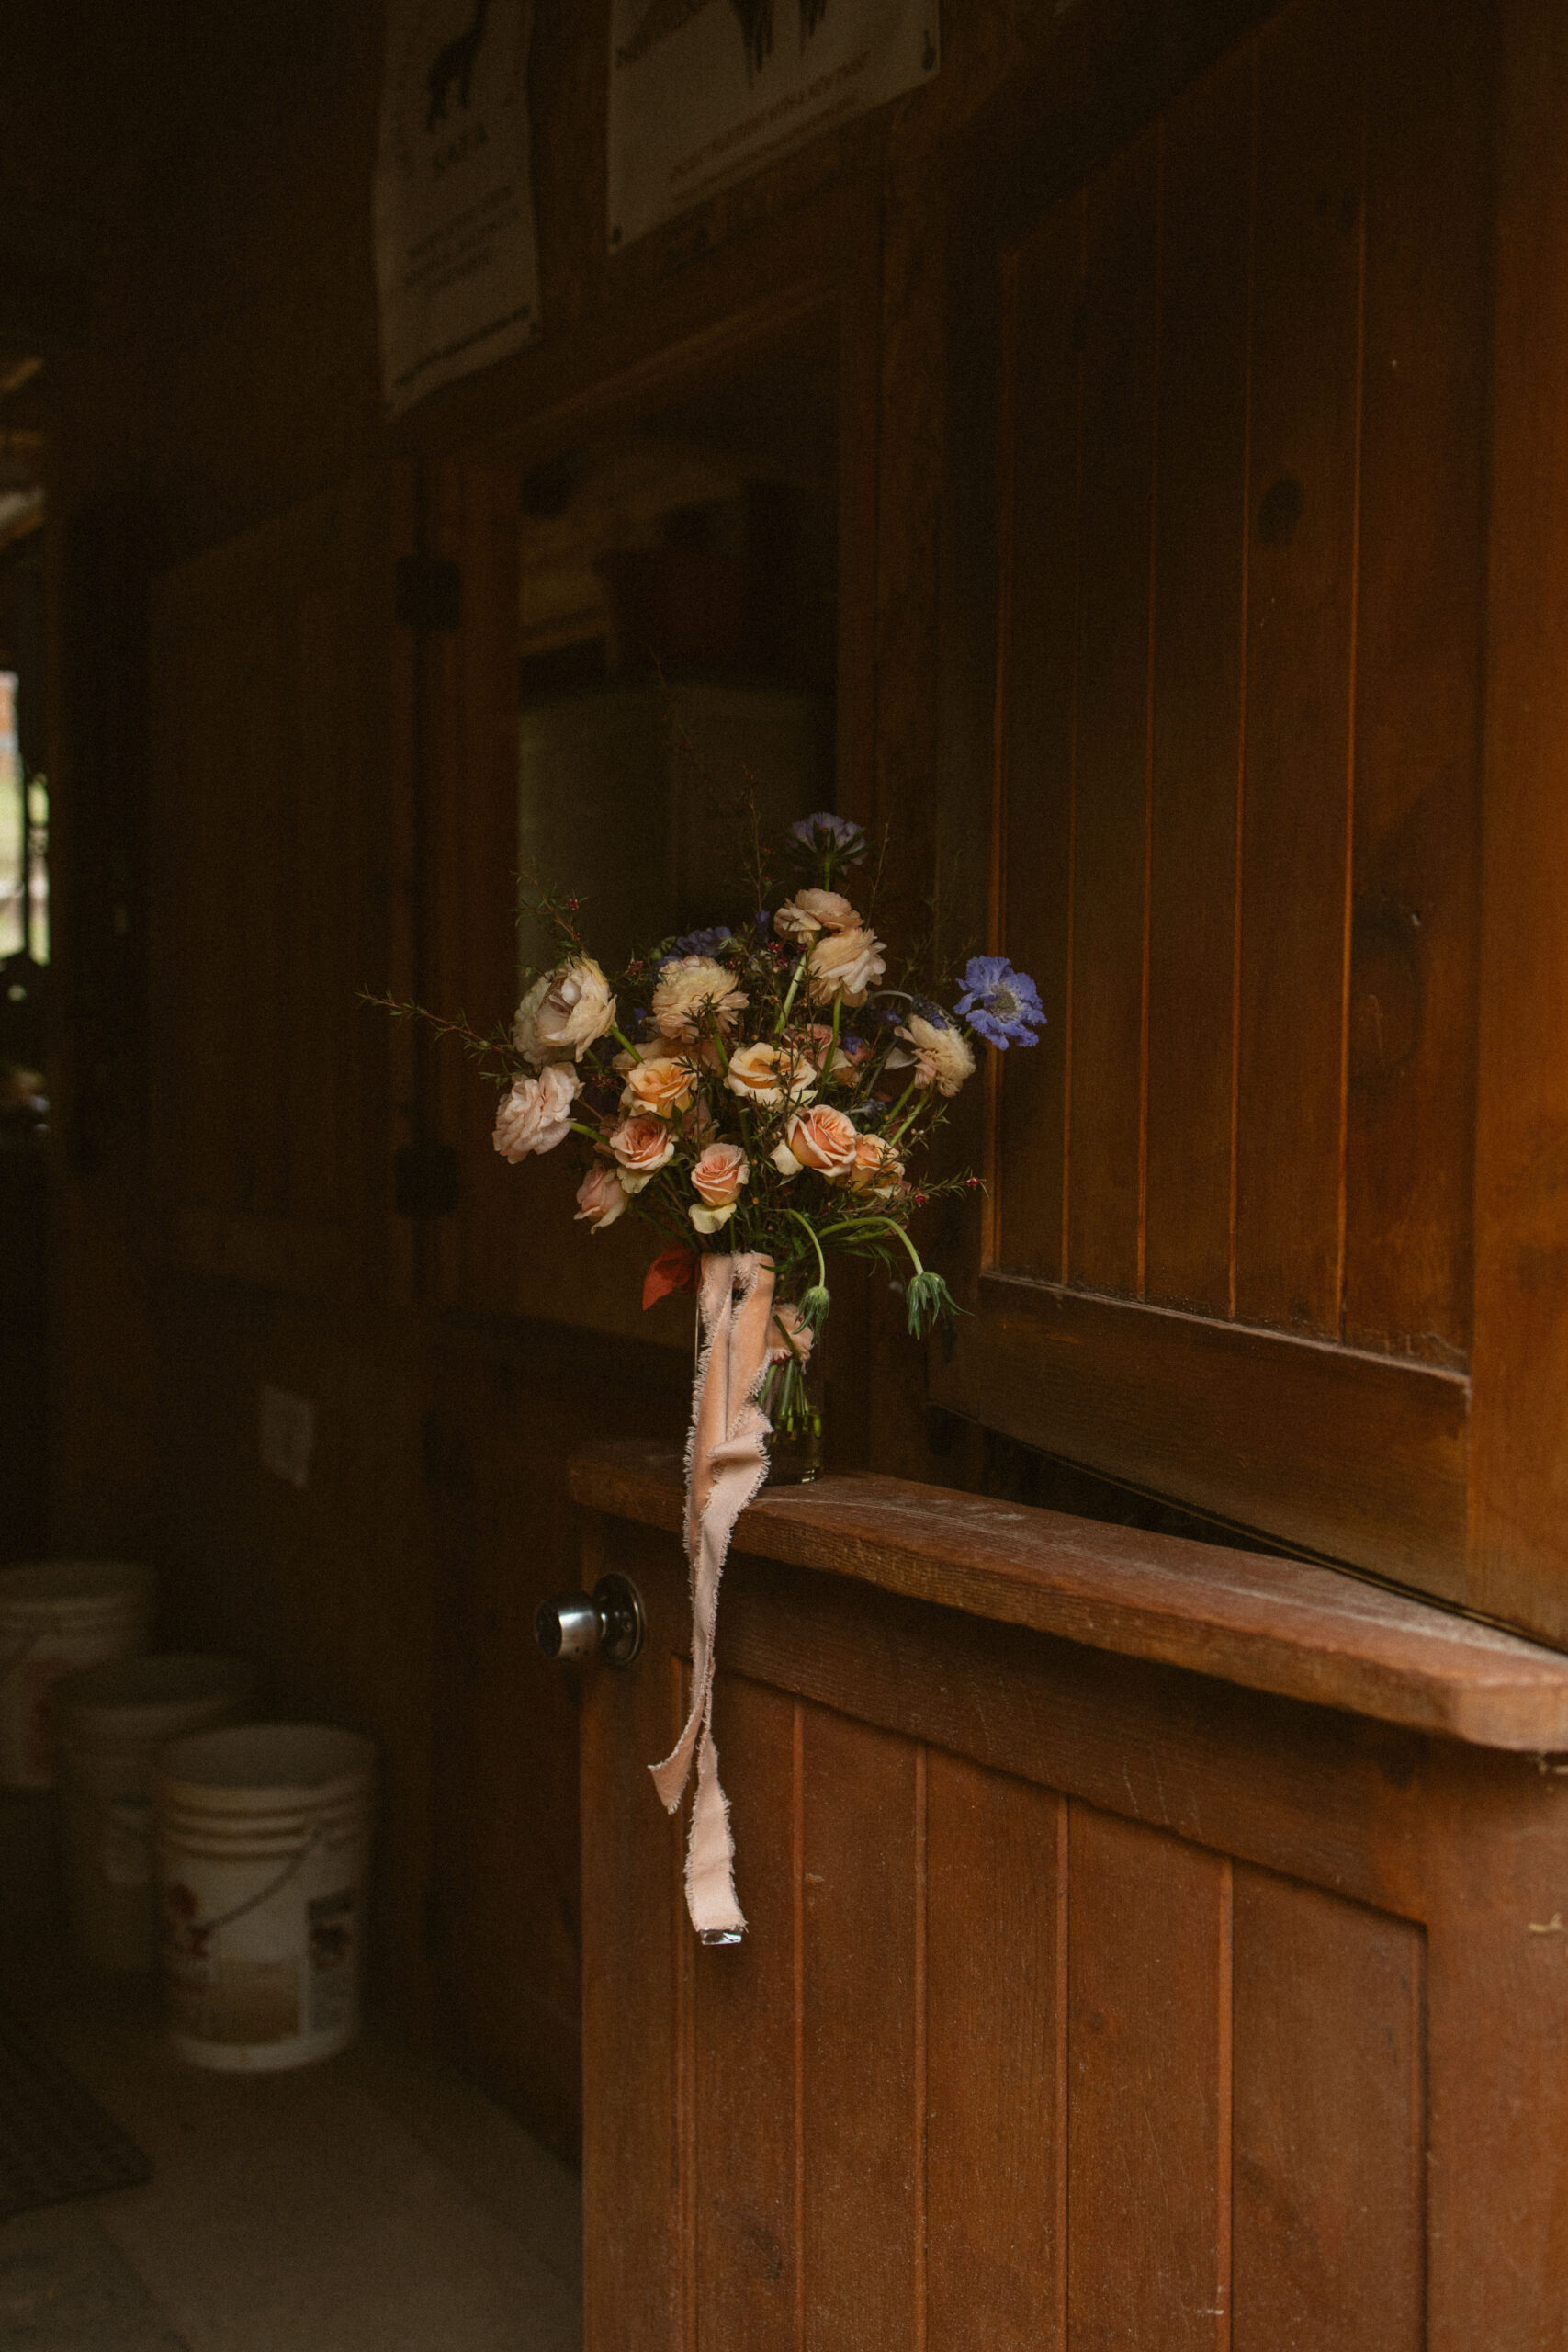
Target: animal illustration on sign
{"points": [[454, 67], [663, 17]]}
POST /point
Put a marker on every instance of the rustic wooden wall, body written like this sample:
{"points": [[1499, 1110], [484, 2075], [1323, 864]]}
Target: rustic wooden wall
{"points": [[227, 502]]}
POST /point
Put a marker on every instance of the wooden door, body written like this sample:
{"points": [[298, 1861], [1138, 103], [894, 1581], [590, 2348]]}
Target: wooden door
{"points": [[1264, 411], [1087, 2000]]}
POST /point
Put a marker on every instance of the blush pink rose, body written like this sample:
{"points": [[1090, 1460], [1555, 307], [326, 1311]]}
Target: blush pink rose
{"points": [[719, 1174], [642, 1145], [601, 1197], [820, 1138]]}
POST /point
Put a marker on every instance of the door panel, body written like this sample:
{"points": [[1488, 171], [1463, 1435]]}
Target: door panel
{"points": [[1238, 532], [997, 2064]]}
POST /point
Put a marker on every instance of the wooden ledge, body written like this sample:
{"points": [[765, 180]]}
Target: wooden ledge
{"points": [[1276, 1626]]}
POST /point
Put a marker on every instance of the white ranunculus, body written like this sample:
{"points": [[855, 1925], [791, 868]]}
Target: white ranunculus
{"points": [[941, 1057], [564, 1013], [687, 986], [844, 963], [810, 912], [537, 1115]]}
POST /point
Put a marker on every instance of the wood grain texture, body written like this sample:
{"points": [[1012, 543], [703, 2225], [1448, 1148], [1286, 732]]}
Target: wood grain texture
{"points": [[1197, 699], [1519, 1504], [1036, 713], [1419, 624], [745, 2016], [861, 2120], [630, 2178], [1300, 616], [1269, 1624], [1306, 1974], [996, 2009], [1330, 2141], [1357, 1455], [1110, 780], [1147, 2028]]}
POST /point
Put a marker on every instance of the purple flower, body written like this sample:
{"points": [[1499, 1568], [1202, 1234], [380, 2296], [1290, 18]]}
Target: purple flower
{"points": [[705, 942], [1002, 1005], [823, 832]]}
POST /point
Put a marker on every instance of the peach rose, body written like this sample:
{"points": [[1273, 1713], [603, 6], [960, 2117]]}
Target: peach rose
{"points": [[810, 912], [875, 1169], [564, 1013], [821, 1140], [764, 1074], [690, 986], [661, 1084], [940, 1055], [601, 1197], [537, 1115], [717, 1178], [844, 963], [789, 1334], [642, 1145]]}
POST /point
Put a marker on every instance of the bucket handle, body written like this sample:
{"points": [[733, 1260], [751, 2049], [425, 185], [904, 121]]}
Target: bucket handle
{"points": [[254, 1902]]}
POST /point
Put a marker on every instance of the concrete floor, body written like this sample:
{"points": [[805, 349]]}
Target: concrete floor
{"points": [[375, 2203]]}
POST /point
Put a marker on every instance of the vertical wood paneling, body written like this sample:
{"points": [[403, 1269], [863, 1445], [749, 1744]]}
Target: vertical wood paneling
{"points": [[1299, 636], [1043, 369], [630, 2071], [1147, 1979], [860, 2120], [996, 2271], [744, 2052], [1197, 698], [1111, 790], [1330, 2132], [1418, 681]]}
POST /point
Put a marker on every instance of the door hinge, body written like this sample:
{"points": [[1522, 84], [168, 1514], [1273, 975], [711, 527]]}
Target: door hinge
{"points": [[429, 591], [427, 1180]]}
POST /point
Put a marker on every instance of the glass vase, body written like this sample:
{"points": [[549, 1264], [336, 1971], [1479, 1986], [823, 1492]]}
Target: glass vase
{"points": [[791, 1397]]}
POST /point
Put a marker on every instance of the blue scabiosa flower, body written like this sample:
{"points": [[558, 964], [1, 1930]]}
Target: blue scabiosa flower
{"points": [[1002, 1005], [824, 833], [705, 942]]}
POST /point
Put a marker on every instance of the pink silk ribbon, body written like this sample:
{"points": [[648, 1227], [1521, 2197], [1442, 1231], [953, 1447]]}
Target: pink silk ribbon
{"points": [[727, 1462]]}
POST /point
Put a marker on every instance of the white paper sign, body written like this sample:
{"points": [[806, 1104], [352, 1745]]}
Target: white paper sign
{"points": [[705, 91], [455, 259]]}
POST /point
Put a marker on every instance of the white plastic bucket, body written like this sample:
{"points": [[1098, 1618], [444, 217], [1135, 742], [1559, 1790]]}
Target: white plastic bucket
{"points": [[57, 1615], [263, 1836], [112, 1723]]}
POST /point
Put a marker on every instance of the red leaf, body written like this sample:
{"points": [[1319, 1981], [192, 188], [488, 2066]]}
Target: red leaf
{"points": [[674, 1268]]}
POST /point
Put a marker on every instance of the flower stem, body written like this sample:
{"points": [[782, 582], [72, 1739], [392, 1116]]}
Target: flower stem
{"points": [[789, 1000], [625, 1041], [811, 1229]]}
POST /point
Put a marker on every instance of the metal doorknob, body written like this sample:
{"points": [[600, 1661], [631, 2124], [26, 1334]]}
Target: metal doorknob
{"points": [[606, 1623]]}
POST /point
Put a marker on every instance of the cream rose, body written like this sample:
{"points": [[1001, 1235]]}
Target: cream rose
{"points": [[764, 1074], [659, 1084], [688, 986], [810, 912], [941, 1057], [821, 1140], [601, 1197], [844, 963], [717, 1179], [537, 1115], [642, 1145], [564, 1013], [789, 1334]]}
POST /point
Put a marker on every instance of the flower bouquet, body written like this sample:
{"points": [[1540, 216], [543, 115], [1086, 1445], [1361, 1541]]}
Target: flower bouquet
{"points": [[757, 1093], [756, 1088]]}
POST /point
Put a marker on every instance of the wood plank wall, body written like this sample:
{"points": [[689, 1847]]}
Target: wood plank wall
{"points": [[1241, 691]]}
